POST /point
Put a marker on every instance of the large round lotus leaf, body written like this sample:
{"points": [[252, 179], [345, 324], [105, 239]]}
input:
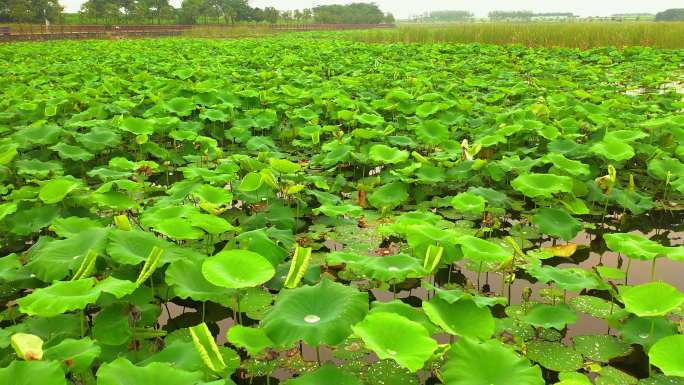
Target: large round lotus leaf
{"points": [[392, 336], [432, 132], [554, 356], [661, 379], [593, 306], [480, 250], [646, 331], [569, 166], [572, 279], [668, 355], [237, 269], [462, 318], [393, 268], [673, 253], [542, 185], [137, 126], [634, 245], [180, 106], [550, 316], [651, 299], [285, 166], [573, 378], [389, 196], [251, 182], [210, 223], [214, 115], [77, 355], [123, 372], [178, 228], [321, 314], [385, 154], [601, 348], [370, 119], [187, 281], [405, 310], [56, 190], [60, 297], [557, 223], [33, 373], [134, 246], [426, 109], [609, 375], [469, 203], [27, 346], [253, 340], [488, 363], [613, 150], [388, 372], [327, 374], [75, 153], [214, 195]]}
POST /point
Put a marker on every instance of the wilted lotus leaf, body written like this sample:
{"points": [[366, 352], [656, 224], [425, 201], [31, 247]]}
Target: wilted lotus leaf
{"points": [[26, 373], [557, 223], [392, 336], [388, 155], [27, 346], [321, 314], [634, 245], [393, 268], [327, 374], [668, 355], [253, 340], [550, 316], [613, 150], [488, 363], [237, 269], [651, 299], [59, 297], [462, 318], [554, 356], [123, 372], [542, 185], [469, 203]]}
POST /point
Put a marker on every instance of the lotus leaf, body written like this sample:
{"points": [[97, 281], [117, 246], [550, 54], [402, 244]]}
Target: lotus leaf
{"points": [[668, 355], [557, 223], [462, 318], [542, 185], [651, 299], [237, 269], [327, 374]]}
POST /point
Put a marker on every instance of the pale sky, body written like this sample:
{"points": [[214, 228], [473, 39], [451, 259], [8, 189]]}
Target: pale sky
{"points": [[405, 8]]}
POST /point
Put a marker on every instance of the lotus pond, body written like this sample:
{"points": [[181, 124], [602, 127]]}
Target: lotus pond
{"points": [[303, 211]]}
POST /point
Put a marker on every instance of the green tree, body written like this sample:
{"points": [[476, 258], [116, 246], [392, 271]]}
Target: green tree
{"points": [[673, 14]]}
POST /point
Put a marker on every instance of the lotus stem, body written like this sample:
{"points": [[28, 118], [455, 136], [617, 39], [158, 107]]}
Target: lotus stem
{"points": [[479, 272], [204, 310], [653, 269], [81, 322], [629, 265], [318, 355]]}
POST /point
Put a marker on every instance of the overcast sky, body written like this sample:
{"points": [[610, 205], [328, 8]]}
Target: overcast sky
{"points": [[405, 8]]}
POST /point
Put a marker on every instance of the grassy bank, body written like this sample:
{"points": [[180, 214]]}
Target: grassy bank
{"points": [[576, 35]]}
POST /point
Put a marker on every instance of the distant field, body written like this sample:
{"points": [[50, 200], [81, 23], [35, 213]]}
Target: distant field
{"points": [[575, 35]]}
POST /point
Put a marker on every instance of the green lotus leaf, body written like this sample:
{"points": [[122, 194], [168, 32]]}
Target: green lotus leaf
{"points": [[634, 245], [339, 210], [661, 379], [613, 150], [462, 318], [111, 325], [651, 299], [72, 226], [180, 106], [119, 288], [664, 166], [625, 135], [455, 295], [389, 372], [187, 281], [550, 316], [178, 228], [392, 336], [426, 109], [406, 311], [385, 154], [75, 355], [75, 153], [253, 340], [38, 169], [554, 356], [134, 246], [7, 209], [488, 363], [542, 185], [608, 375], [573, 378], [321, 314], [393, 268], [646, 331], [214, 195], [389, 196], [251, 182], [214, 115], [123, 372], [56, 190], [285, 166], [557, 223], [673, 253], [668, 355], [27, 346], [572, 279], [327, 374], [432, 132], [480, 250], [59, 297], [469, 203], [572, 167], [26, 373], [211, 224], [601, 348], [237, 269], [370, 119], [137, 126]]}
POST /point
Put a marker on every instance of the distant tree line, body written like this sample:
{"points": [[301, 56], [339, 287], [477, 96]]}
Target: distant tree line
{"points": [[356, 13], [448, 16], [674, 14], [29, 11]]}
